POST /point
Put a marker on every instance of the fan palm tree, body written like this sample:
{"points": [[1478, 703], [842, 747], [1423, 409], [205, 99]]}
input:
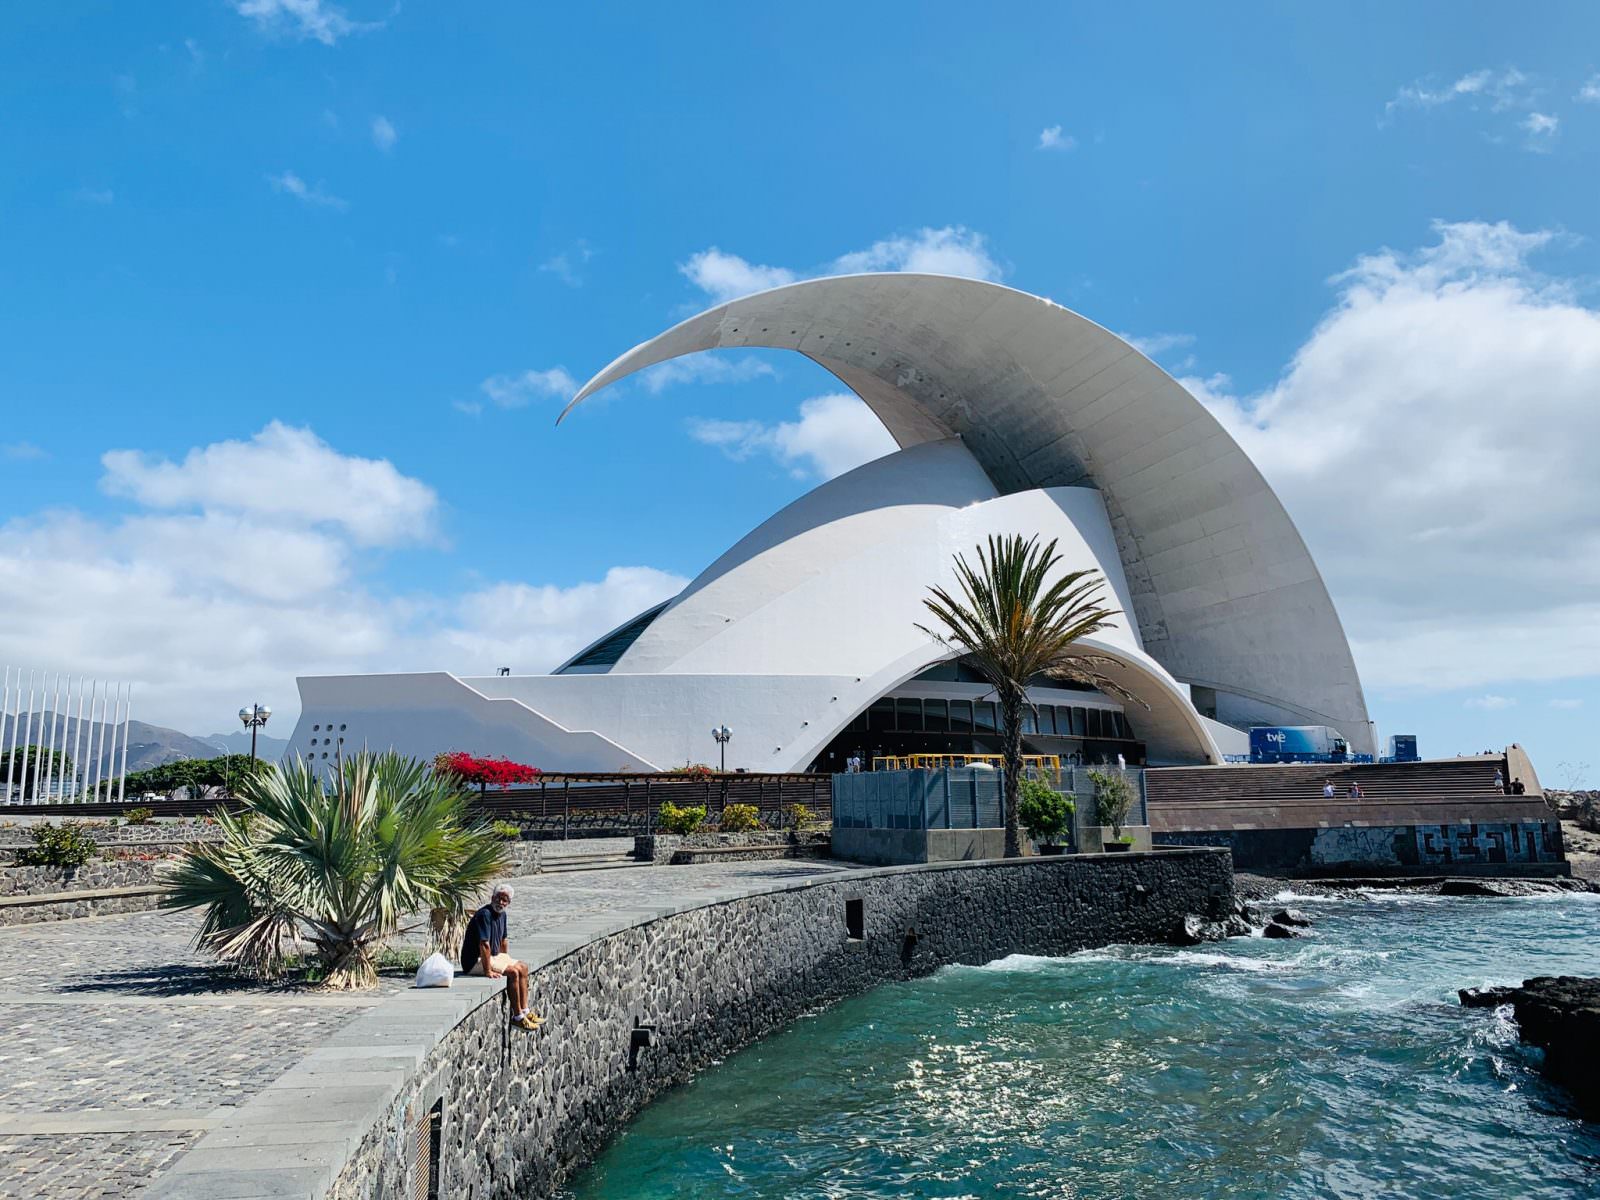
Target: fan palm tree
{"points": [[338, 866], [1012, 623]]}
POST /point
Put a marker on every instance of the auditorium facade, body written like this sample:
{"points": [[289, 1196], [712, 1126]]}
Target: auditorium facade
{"points": [[1012, 415]]}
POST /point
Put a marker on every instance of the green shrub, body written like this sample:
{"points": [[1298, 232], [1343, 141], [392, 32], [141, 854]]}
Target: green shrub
{"points": [[139, 816], [738, 818], [1113, 797], [798, 815], [681, 820], [1044, 812], [509, 830], [68, 844]]}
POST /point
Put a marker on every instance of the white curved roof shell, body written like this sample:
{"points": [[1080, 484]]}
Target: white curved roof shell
{"points": [[1221, 586]]}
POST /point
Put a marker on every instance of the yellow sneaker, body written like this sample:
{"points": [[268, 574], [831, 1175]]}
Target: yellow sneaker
{"points": [[526, 1022]]}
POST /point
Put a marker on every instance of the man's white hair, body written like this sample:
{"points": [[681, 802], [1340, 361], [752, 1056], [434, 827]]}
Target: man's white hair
{"points": [[503, 889]]}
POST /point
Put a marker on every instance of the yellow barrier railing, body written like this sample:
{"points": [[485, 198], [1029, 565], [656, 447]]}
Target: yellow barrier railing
{"points": [[1042, 764]]}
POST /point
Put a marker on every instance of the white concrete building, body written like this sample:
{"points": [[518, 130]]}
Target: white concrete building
{"points": [[1013, 415]]}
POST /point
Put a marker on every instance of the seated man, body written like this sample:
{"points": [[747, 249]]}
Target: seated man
{"points": [[486, 950]]}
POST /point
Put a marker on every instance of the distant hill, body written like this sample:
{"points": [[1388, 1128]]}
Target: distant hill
{"points": [[148, 745], [269, 748]]}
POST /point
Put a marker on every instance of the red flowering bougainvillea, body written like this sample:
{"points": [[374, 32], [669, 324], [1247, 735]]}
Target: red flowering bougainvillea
{"points": [[485, 772]]}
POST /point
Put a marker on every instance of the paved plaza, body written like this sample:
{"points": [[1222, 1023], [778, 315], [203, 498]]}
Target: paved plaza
{"points": [[121, 1047]]}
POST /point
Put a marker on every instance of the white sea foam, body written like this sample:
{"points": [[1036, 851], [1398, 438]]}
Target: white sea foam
{"points": [[1232, 962]]}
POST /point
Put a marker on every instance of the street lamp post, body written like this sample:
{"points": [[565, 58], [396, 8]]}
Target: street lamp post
{"points": [[722, 733], [253, 718]]}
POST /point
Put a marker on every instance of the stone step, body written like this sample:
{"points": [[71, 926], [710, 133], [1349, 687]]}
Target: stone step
{"points": [[116, 893], [556, 866]]}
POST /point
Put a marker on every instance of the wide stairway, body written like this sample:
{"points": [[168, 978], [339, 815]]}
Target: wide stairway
{"points": [[1296, 783]]}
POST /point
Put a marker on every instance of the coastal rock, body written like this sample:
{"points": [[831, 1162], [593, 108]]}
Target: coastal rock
{"points": [[1561, 1014], [1497, 887], [1195, 930], [1275, 930], [1291, 916]]}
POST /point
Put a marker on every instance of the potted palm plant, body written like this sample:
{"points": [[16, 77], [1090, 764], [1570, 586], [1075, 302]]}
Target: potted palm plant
{"points": [[1045, 814], [1113, 797]]}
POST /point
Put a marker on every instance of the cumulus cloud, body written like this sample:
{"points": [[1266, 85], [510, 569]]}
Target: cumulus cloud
{"points": [[1053, 139], [834, 434], [310, 20], [520, 390], [950, 250], [726, 276], [1433, 439], [290, 184], [261, 583], [384, 134], [1490, 702], [1589, 93], [281, 473]]}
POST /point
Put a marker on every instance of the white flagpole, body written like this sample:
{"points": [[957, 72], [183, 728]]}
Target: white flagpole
{"points": [[50, 752], [27, 736], [78, 777], [98, 736], [4, 749], [127, 728], [116, 723]]}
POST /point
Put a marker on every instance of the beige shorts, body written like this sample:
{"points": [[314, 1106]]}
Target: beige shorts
{"points": [[498, 961]]}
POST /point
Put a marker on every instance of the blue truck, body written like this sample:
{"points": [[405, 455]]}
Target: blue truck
{"points": [[1297, 743]]}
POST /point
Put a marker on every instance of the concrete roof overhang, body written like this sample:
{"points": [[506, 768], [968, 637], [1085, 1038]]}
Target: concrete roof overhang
{"points": [[1224, 589]]}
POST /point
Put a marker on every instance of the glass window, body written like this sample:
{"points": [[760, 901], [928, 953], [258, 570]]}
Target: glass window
{"points": [[910, 714], [1029, 723], [1079, 727], [935, 717], [1097, 722], [983, 711], [858, 723], [961, 716], [1127, 729], [880, 717], [1047, 718]]}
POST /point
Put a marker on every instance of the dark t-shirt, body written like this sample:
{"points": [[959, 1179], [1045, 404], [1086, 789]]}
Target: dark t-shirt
{"points": [[486, 926]]}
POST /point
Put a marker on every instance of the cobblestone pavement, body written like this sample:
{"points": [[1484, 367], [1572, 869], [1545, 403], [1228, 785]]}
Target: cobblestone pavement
{"points": [[121, 1046]]}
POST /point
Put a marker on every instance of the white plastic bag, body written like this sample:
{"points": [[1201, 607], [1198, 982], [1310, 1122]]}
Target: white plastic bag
{"points": [[436, 971]]}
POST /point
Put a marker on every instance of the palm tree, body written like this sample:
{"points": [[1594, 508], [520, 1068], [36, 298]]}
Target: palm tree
{"points": [[338, 866], [1012, 624]]}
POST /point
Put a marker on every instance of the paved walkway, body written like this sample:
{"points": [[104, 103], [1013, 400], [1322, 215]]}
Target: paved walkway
{"points": [[121, 1048]]}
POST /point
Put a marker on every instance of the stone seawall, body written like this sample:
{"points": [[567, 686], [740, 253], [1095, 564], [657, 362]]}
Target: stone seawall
{"points": [[1462, 848], [638, 1005]]}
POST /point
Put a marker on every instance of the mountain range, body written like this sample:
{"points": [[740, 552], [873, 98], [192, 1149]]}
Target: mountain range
{"points": [[148, 745]]}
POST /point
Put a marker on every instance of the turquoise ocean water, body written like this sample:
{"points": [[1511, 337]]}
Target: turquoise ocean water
{"points": [[1338, 1065]]}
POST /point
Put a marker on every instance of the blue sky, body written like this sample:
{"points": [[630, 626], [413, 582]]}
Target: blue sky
{"points": [[399, 232]]}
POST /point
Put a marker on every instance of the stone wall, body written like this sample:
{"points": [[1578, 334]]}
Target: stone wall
{"points": [[635, 1011], [1490, 848], [34, 881]]}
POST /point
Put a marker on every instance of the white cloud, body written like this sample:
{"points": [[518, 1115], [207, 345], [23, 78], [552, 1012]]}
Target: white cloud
{"points": [[281, 473], [305, 19], [199, 609], [384, 135], [517, 391], [1433, 439], [95, 196], [950, 250], [1490, 702], [567, 266], [726, 276], [1589, 93], [704, 368], [291, 184], [1497, 90], [21, 452], [1565, 703], [1053, 139], [834, 434], [1541, 130], [1155, 344]]}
